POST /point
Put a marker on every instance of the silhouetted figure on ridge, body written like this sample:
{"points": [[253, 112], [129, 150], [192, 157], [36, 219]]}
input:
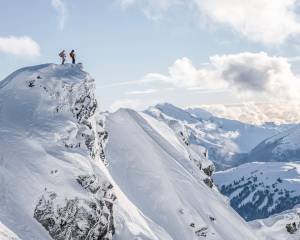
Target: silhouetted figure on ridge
{"points": [[72, 55], [62, 54]]}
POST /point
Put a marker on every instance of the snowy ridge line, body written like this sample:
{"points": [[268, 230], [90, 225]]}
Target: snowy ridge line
{"points": [[153, 179]]}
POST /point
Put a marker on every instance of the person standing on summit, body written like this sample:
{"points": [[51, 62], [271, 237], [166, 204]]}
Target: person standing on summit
{"points": [[62, 55], [72, 55]]}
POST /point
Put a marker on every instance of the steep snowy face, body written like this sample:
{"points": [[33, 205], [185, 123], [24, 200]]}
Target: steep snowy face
{"points": [[152, 167], [52, 164], [197, 153], [285, 225], [283, 147], [259, 190], [227, 141]]}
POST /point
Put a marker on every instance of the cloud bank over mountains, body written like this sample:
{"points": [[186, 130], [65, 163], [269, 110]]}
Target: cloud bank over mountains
{"points": [[245, 74], [258, 113], [267, 87]]}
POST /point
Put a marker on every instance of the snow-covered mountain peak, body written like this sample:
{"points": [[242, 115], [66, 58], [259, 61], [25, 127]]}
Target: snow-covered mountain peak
{"points": [[59, 181], [48, 87], [174, 112], [52, 164]]}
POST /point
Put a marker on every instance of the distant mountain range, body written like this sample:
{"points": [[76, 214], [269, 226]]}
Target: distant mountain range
{"points": [[229, 142]]}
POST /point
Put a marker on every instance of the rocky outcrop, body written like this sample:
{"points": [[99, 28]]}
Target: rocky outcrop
{"points": [[76, 217], [79, 99], [209, 182], [292, 227], [79, 218], [209, 170]]}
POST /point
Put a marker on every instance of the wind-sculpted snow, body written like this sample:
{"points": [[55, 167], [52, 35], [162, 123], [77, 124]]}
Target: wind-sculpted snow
{"points": [[50, 142], [259, 190], [152, 167]]}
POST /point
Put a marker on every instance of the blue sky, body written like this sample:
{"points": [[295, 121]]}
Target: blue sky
{"points": [[146, 51]]}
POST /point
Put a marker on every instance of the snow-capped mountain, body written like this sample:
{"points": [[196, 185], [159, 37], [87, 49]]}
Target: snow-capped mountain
{"points": [[59, 181], [227, 141], [283, 147], [285, 225], [259, 190], [52, 165]]}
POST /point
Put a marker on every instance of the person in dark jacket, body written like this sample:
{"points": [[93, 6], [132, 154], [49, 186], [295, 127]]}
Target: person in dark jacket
{"points": [[72, 56]]}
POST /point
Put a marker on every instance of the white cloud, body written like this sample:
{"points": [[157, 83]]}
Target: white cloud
{"points": [[259, 20], [127, 103], [246, 74], [258, 113], [257, 73], [60, 7], [153, 9], [141, 92], [269, 22], [19, 46], [136, 102]]}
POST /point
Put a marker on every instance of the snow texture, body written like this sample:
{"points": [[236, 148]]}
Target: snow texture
{"points": [[283, 147], [258, 190], [49, 138], [59, 181], [152, 167], [277, 226]]}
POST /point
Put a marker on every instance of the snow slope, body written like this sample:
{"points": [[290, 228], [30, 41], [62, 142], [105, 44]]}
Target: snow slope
{"points": [[52, 170], [275, 227], [258, 190], [152, 167], [227, 141], [284, 147], [54, 179]]}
